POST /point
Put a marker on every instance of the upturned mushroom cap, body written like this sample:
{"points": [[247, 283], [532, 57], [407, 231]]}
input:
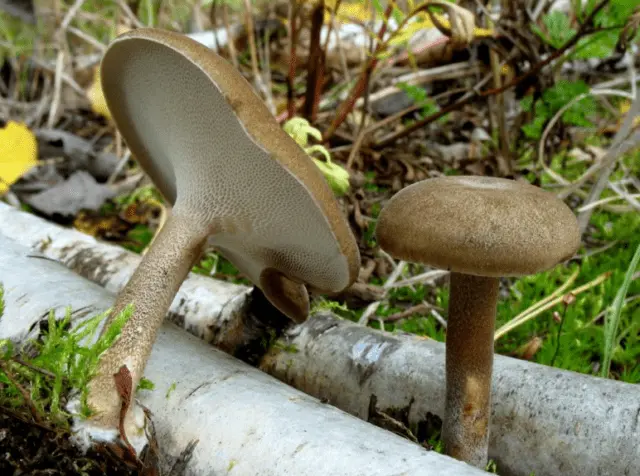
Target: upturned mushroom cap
{"points": [[478, 225], [211, 146]]}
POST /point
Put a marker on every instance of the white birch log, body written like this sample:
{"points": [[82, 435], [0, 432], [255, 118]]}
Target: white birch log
{"points": [[199, 302], [245, 422], [545, 420]]}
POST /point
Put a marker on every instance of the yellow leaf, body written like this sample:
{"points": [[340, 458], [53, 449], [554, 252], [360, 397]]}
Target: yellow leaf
{"points": [[96, 96], [18, 153], [624, 109], [350, 12], [506, 69], [624, 106]]}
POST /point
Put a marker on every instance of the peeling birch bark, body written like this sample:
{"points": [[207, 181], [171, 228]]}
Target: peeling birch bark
{"points": [[243, 419], [545, 420]]}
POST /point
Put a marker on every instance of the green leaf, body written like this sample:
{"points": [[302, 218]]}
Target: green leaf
{"points": [[599, 45], [558, 27], [616, 13], [146, 384], [526, 103], [555, 98], [397, 14], [541, 33], [336, 176], [563, 92], [319, 149], [533, 130], [298, 129], [415, 93], [377, 4], [419, 96]]}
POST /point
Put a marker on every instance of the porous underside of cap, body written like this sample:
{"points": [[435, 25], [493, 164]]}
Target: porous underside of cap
{"points": [[478, 225], [211, 146]]}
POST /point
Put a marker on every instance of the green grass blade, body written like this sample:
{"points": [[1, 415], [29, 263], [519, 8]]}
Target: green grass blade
{"points": [[1, 300], [612, 318]]}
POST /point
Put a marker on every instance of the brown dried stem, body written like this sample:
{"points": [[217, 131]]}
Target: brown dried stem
{"points": [[252, 45], [315, 64], [25, 394], [347, 106], [230, 40], [293, 43]]}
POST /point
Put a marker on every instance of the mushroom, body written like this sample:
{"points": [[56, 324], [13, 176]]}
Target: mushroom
{"points": [[237, 182], [481, 229]]}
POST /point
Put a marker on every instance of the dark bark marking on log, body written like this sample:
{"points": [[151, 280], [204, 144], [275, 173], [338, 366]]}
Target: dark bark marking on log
{"points": [[228, 376], [179, 467], [178, 319], [86, 262], [421, 430], [213, 382], [299, 448], [636, 421], [192, 392], [364, 372], [21, 298], [185, 309]]}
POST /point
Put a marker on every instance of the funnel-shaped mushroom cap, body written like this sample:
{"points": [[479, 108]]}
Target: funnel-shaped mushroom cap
{"points": [[478, 225], [211, 146]]}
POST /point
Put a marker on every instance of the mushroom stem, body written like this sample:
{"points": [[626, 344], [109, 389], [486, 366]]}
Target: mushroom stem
{"points": [[469, 363], [151, 289]]}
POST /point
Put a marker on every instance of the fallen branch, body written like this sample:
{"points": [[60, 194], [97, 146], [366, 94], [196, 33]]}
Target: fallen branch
{"points": [[240, 417], [545, 420]]}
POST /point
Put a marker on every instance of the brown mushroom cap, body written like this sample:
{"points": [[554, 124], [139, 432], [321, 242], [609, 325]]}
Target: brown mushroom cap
{"points": [[478, 225], [212, 147]]}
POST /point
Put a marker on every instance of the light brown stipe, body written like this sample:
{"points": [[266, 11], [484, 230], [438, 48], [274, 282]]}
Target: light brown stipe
{"points": [[236, 179], [480, 228]]}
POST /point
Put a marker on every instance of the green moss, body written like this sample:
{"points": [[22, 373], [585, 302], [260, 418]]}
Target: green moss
{"points": [[170, 390], [57, 362]]}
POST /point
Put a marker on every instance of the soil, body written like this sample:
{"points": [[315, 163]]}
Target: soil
{"points": [[29, 448]]}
